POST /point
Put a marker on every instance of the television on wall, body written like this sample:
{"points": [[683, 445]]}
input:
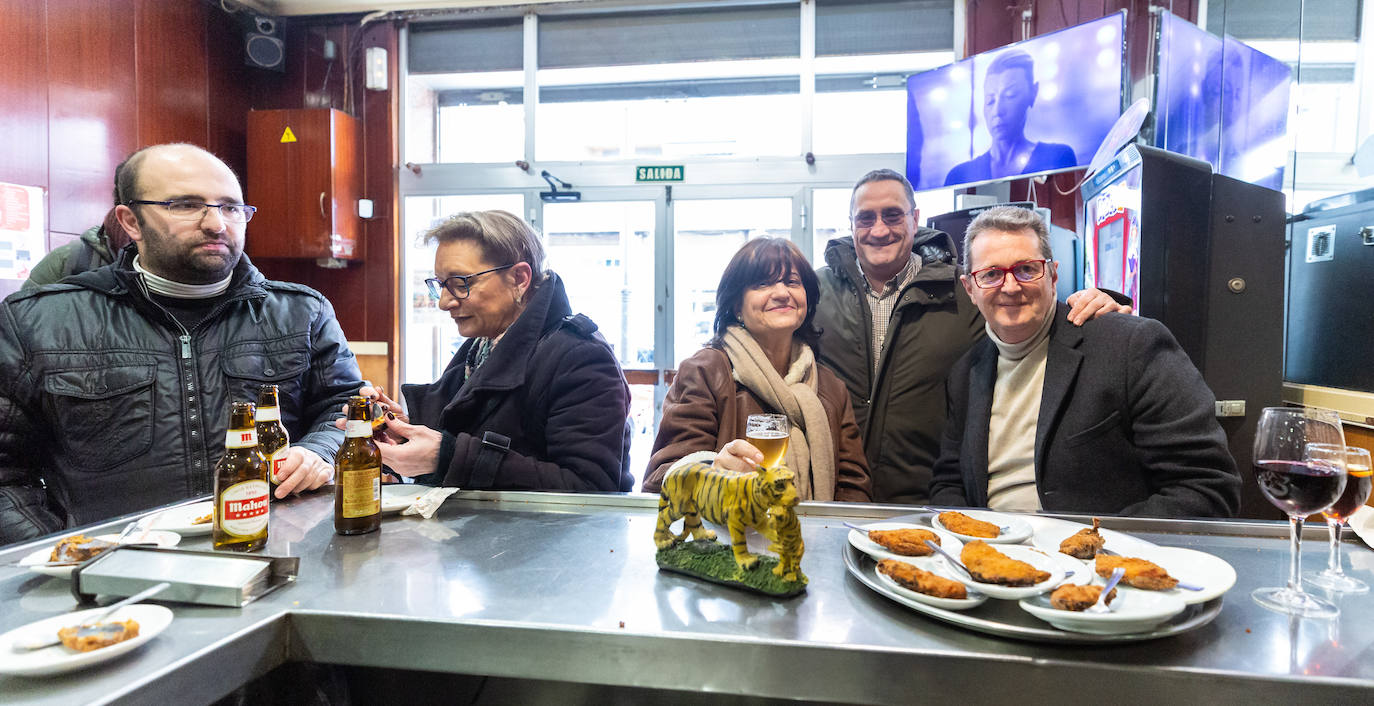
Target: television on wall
{"points": [[1221, 101], [1038, 106]]}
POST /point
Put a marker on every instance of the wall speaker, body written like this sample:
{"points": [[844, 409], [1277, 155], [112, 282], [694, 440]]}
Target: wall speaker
{"points": [[262, 44]]}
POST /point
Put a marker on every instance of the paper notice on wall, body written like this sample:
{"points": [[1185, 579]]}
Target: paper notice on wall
{"points": [[23, 233]]}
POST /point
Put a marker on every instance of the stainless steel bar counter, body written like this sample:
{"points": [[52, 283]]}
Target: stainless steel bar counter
{"points": [[564, 588]]}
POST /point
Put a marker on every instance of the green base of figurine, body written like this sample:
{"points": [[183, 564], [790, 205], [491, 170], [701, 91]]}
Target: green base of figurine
{"points": [[713, 561]]}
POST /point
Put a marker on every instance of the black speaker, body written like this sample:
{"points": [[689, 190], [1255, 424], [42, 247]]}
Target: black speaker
{"points": [[262, 44]]}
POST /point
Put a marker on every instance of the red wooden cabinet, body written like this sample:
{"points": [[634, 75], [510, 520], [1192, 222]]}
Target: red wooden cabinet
{"points": [[303, 177]]}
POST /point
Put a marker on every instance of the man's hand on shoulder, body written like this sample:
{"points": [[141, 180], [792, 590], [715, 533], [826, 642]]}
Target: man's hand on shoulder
{"points": [[1088, 304], [303, 470]]}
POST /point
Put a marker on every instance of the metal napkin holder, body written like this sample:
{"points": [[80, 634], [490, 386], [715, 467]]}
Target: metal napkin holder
{"points": [[201, 577]]}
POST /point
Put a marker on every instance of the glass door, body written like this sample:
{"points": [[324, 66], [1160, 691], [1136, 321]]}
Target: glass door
{"points": [[429, 338]]}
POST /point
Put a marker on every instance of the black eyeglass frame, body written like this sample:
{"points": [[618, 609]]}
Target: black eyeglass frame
{"points": [[434, 283], [243, 208], [889, 218], [1044, 267]]}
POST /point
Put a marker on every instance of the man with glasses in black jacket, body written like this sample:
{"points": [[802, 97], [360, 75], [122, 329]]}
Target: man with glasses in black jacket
{"points": [[115, 384]]}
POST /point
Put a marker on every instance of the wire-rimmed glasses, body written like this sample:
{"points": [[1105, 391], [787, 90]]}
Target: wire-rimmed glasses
{"points": [[196, 210]]}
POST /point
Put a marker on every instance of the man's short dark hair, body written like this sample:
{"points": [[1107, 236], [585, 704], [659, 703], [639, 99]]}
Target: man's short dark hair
{"points": [[884, 175], [1011, 61]]}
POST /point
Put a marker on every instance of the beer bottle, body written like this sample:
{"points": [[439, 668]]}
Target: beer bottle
{"points": [[241, 489], [358, 474], [272, 434]]}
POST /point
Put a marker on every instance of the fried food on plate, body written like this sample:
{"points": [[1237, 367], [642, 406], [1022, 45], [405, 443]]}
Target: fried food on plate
{"points": [[205, 519], [991, 566], [1078, 598], [959, 523], [1085, 543], [910, 577], [78, 547], [1139, 572], [907, 541], [94, 637]]}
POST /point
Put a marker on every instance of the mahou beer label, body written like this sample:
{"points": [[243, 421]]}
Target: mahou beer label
{"points": [[276, 460], [357, 427], [268, 414], [243, 508], [241, 439]]}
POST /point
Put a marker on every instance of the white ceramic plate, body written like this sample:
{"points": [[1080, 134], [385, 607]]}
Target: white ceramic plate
{"points": [[179, 519], [1363, 524], [397, 497], [1212, 573], [1132, 611], [1017, 529], [1051, 531], [860, 540], [162, 538], [152, 619], [974, 598], [1056, 567]]}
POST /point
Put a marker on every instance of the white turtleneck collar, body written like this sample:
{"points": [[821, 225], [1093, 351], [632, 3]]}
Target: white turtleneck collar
{"points": [[1017, 351], [179, 290]]}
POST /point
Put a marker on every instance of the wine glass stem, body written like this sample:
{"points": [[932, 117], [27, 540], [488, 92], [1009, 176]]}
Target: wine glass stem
{"points": [[1295, 548], [1334, 560]]}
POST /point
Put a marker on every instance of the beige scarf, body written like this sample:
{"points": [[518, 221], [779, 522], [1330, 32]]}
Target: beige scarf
{"points": [[810, 450]]}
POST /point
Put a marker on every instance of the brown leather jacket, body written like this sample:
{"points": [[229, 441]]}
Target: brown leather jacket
{"points": [[705, 408]]}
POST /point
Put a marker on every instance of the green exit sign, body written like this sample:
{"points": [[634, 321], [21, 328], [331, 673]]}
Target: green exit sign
{"points": [[669, 173]]}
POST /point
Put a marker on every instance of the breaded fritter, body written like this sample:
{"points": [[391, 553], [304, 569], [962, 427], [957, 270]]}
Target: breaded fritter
{"points": [[991, 566], [910, 577], [78, 548], [1084, 543], [907, 541], [959, 523], [1077, 598], [1139, 572], [97, 636]]}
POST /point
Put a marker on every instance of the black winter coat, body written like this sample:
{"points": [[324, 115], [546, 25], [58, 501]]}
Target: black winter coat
{"points": [[110, 403], [546, 411], [1127, 426]]}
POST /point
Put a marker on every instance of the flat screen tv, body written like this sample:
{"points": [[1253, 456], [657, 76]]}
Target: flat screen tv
{"points": [[1221, 101], [1034, 107]]}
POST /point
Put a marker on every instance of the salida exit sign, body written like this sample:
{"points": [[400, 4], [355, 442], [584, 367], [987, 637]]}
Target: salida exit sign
{"points": [[665, 173]]}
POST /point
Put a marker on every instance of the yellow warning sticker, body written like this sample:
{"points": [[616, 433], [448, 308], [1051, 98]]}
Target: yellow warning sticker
{"points": [[288, 136]]}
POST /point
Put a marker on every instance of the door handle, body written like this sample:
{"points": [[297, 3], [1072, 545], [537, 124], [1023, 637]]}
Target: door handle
{"points": [[322, 213]]}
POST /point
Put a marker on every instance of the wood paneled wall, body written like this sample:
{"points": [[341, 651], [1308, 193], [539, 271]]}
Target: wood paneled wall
{"points": [[86, 82]]}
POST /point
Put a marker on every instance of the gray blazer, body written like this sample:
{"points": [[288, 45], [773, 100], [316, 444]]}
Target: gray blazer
{"points": [[1127, 426]]}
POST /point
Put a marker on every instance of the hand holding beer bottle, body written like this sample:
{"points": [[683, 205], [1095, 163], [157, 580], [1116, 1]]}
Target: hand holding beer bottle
{"points": [[241, 485], [358, 474]]}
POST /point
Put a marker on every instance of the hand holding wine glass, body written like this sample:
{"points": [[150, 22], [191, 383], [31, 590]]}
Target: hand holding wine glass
{"points": [[1357, 486], [1300, 478]]}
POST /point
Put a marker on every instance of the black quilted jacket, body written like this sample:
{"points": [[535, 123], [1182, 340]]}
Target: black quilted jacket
{"points": [[108, 406]]}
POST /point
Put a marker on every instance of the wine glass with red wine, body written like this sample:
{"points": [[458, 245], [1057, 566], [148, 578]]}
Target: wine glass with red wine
{"points": [[1357, 485], [1297, 475]]}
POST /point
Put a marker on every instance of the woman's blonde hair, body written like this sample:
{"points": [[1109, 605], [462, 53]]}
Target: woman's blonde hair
{"points": [[503, 237]]}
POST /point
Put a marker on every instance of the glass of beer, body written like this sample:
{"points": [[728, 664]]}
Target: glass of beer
{"points": [[768, 433], [1357, 486]]}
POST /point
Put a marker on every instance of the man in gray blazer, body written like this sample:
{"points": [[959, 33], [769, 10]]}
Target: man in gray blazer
{"points": [[1107, 418]]}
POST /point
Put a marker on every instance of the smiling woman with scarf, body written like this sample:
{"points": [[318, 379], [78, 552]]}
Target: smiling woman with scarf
{"points": [[763, 360]]}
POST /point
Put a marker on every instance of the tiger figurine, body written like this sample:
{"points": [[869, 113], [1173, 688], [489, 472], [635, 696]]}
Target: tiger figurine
{"points": [[785, 535], [694, 491]]}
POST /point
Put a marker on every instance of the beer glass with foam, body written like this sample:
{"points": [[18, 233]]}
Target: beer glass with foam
{"points": [[768, 433]]}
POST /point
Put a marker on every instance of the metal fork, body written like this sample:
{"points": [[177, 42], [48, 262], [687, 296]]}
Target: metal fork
{"points": [[1101, 605]]}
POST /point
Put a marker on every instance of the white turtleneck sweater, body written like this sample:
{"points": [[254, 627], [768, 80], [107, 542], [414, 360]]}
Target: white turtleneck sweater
{"points": [[1015, 413]]}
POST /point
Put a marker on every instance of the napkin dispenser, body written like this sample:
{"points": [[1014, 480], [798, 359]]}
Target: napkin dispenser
{"points": [[206, 578]]}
